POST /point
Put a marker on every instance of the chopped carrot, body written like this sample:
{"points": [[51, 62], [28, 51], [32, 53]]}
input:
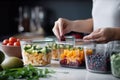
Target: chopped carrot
{"points": [[73, 55]]}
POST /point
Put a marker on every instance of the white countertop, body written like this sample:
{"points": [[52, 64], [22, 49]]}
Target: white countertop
{"points": [[76, 74]]}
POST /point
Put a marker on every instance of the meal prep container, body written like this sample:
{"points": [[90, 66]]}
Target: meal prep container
{"points": [[115, 60], [72, 56], [36, 52], [58, 46], [54, 52], [97, 57]]}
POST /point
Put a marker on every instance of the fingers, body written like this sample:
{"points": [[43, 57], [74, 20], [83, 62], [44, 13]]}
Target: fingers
{"points": [[101, 40], [98, 37], [92, 36], [58, 28]]}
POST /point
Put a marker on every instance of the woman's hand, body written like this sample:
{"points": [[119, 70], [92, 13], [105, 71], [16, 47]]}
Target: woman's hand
{"points": [[61, 27], [102, 35]]}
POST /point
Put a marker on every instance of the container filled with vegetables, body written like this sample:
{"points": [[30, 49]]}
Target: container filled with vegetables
{"points": [[36, 52], [54, 48], [58, 46], [63, 45], [115, 64], [115, 60], [54, 51], [72, 56], [99, 59]]}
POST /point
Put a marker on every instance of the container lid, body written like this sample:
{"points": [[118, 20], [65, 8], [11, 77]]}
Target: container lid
{"points": [[84, 42]]}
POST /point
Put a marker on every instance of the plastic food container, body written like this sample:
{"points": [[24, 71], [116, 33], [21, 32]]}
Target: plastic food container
{"points": [[54, 47], [54, 52], [115, 61], [63, 45], [36, 52], [58, 46], [97, 57], [73, 56]]}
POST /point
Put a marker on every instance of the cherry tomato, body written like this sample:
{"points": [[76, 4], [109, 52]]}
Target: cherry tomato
{"points": [[9, 44], [17, 43], [5, 41], [12, 39]]}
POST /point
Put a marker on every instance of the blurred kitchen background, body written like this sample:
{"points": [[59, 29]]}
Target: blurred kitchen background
{"points": [[38, 16]]}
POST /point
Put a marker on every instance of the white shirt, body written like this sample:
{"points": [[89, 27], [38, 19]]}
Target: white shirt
{"points": [[106, 13]]}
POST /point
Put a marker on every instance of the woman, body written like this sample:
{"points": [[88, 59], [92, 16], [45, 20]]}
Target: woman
{"points": [[104, 26]]}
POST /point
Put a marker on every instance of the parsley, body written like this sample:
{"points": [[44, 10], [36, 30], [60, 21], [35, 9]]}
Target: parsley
{"points": [[28, 72]]}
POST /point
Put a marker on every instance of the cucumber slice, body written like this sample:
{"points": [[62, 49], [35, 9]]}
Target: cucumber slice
{"points": [[61, 46], [44, 50], [28, 46]]}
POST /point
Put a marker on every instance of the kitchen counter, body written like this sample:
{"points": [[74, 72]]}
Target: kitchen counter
{"points": [[76, 74], [64, 73]]}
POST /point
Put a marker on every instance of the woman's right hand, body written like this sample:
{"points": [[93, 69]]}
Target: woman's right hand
{"points": [[61, 27], [101, 35]]}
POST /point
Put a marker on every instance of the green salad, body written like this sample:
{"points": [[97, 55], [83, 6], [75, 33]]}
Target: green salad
{"points": [[115, 64], [32, 48]]}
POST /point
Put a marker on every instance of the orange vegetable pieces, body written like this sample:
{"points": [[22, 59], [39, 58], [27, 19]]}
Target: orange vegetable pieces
{"points": [[89, 51], [73, 55]]}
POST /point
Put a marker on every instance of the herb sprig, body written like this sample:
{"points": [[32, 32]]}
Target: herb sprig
{"points": [[28, 73]]}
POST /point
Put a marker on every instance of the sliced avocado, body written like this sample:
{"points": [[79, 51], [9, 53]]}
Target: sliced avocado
{"points": [[33, 47], [54, 46], [61, 45], [50, 45], [28, 46], [48, 50], [29, 51], [68, 46], [39, 51], [44, 50], [38, 47]]}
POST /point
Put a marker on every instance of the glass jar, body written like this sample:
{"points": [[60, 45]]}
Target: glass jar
{"points": [[59, 46], [54, 52], [115, 59], [97, 57], [73, 56], [36, 52], [62, 46]]}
